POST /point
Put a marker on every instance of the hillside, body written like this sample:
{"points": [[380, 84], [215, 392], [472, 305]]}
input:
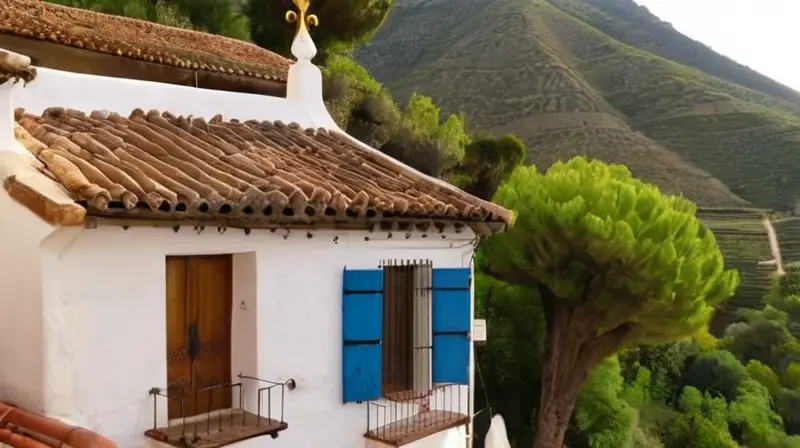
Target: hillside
{"points": [[634, 25], [607, 79]]}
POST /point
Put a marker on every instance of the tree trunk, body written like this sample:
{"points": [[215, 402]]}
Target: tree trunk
{"points": [[572, 348]]}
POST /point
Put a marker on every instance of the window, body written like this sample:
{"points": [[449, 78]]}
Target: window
{"points": [[404, 327]]}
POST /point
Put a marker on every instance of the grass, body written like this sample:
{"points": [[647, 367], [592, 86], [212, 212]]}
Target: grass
{"points": [[605, 79]]}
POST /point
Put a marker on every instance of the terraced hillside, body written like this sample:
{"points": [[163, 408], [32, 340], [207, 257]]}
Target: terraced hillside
{"points": [[605, 78], [634, 25]]}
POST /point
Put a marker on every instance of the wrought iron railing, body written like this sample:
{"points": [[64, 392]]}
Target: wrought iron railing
{"points": [[209, 392], [268, 390], [400, 416], [224, 414], [158, 392]]}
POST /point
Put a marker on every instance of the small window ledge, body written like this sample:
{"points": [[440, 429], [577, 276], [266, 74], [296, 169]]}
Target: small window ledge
{"points": [[217, 429], [418, 427]]}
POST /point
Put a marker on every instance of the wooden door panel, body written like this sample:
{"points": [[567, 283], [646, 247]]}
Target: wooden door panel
{"points": [[212, 297], [178, 362]]}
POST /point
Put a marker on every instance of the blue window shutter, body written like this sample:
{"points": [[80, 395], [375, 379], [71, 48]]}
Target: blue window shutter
{"points": [[451, 325], [362, 328]]}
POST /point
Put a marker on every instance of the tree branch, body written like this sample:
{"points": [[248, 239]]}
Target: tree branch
{"points": [[587, 288], [604, 345], [517, 278], [548, 298]]}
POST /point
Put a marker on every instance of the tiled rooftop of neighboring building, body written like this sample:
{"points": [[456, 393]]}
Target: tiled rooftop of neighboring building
{"points": [[139, 40], [22, 429]]}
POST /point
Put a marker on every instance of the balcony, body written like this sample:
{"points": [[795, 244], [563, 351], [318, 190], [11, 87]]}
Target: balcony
{"points": [[221, 427], [405, 417]]}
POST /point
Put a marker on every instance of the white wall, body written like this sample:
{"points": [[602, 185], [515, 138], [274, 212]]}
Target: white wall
{"points": [[109, 311], [21, 344], [54, 88]]}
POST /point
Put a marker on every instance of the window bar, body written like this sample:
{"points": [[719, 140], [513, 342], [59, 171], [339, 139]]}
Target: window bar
{"points": [[386, 379], [429, 324], [417, 327], [394, 325], [418, 341], [385, 421], [408, 339], [399, 322], [407, 304]]}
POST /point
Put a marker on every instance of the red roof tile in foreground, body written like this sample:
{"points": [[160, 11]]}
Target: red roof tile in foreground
{"points": [[21, 429], [157, 166]]}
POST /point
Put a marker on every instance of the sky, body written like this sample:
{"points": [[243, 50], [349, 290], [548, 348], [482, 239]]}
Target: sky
{"points": [[761, 34]]}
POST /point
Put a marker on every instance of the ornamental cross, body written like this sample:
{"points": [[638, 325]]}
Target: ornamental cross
{"points": [[303, 19]]}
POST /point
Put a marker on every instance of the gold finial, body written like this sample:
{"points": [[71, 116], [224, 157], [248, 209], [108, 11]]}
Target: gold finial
{"points": [[304, 20]]}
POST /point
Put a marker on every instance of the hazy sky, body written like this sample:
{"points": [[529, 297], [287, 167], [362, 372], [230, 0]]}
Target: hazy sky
{"points": [[761, 34]]}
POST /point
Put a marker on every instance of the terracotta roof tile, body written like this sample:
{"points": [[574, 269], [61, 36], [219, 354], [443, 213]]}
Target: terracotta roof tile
{"points": [[15, 68], [20, 428], [158, 166], [140, 40]]}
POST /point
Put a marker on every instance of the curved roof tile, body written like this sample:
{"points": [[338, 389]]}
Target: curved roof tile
{"points": [[158, 166], [23, 429]]}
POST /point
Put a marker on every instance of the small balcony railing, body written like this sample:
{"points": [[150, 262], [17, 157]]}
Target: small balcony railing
{"points": [[221, 425], [402, 418]]}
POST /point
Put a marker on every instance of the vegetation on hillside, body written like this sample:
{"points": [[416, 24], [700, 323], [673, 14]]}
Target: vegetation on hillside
{"points": [[699, 392]]}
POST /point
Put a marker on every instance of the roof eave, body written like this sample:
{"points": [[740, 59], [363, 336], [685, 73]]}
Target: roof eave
{"points": [[419, 225]]}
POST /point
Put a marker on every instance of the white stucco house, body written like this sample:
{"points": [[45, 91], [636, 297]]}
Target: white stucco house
{"points": [[194, 254]]}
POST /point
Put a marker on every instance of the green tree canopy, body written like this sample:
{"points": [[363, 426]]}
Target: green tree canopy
{"points": [[764, 375], [716, 371], [213, 16], [665, 364], [752, 419], [602, 419], [488, 161], [426, 142], [343, 23], [764, 337], [616, 262]]}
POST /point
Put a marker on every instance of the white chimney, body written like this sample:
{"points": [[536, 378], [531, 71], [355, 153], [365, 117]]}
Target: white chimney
{"points": [[304, 83]]}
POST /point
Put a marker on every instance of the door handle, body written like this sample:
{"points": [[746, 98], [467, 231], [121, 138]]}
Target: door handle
{"points": [[194, 342]]}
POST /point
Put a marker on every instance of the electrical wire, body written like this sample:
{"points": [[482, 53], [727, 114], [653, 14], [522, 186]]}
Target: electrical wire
{"points": [[485, 392]]}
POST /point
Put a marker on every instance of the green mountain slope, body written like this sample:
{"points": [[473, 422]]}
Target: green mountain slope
{"points": [[634, 25], [606, 79], [529, 67]]}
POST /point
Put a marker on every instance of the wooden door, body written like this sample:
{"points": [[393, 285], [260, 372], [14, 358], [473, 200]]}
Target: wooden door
{"points": [[199, 300]]}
